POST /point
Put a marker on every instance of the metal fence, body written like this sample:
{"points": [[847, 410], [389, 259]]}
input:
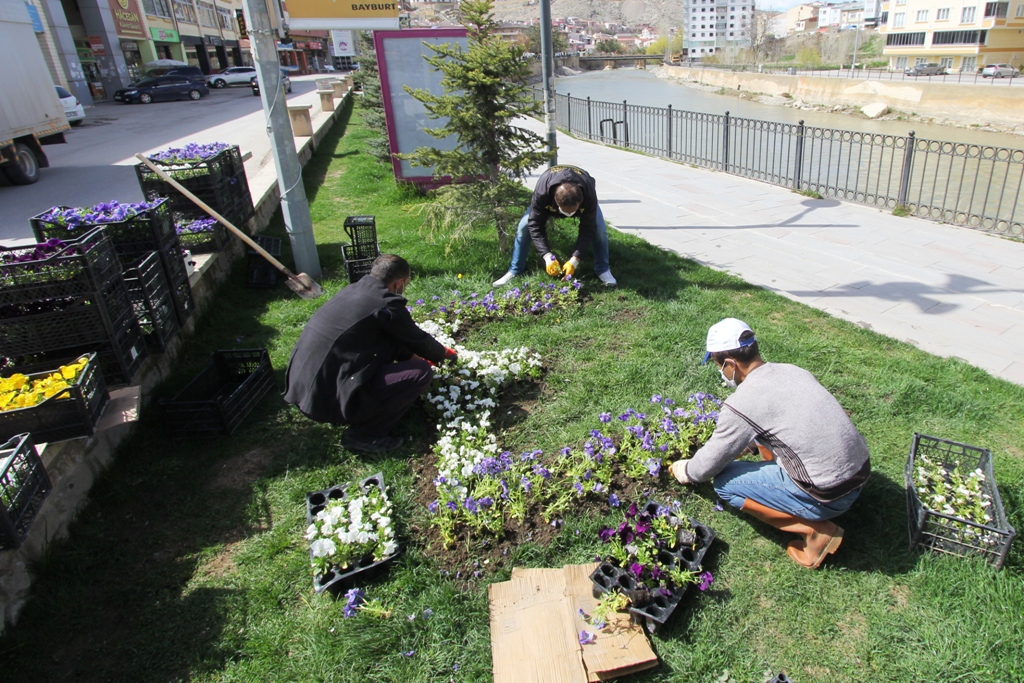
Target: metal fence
{"points": [[972, 185]]}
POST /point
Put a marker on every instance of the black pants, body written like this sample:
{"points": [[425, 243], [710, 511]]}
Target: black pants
{"points": [[395, 386]]}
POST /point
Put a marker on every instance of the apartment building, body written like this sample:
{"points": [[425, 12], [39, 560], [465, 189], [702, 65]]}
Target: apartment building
{"points": [[802, 18], [712, 25], [961, 35]]}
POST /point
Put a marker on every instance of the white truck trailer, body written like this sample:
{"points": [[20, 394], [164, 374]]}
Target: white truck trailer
{"points": [[31, 115]]}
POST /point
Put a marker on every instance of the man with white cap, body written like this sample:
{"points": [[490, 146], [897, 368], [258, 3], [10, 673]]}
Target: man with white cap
{"points": [[814, 461]]}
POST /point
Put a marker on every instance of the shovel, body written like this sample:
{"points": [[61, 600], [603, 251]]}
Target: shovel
{"points": [[302, 284]]}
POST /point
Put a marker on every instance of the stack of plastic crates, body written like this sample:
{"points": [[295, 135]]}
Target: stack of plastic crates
{"points": [[24, 486], [63, 301], [360, 254], [218, 180], [134, 239]]}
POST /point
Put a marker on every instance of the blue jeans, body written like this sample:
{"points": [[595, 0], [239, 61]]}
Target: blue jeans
{"points": [[521, 250], [768, 484]]}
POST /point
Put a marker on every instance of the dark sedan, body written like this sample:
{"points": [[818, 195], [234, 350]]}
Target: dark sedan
{"points": [[161, 89]]}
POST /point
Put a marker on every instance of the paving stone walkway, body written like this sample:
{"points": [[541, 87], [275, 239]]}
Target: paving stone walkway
{"points": [[947, 290]]}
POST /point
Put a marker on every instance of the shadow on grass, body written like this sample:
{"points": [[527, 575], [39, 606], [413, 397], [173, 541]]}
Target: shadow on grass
{"points": [[314, 173]]}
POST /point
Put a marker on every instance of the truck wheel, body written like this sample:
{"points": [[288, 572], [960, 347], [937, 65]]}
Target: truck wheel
{"points": [[26, 170]]}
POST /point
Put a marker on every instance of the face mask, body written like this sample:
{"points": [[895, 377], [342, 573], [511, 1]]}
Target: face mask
{"points": [[731, 383], [564, 212]]}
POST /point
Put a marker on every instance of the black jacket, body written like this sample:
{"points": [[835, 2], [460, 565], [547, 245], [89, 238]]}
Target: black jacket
{"points": [[542, 207], [361, 328]]}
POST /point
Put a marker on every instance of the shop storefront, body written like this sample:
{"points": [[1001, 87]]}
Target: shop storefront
{"points": [[166, 43], [215, 53], [196, 54], [92, 70], [132, 59]]}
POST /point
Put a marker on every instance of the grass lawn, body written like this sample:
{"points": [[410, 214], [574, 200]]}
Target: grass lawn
{"points": [[189, 563]]}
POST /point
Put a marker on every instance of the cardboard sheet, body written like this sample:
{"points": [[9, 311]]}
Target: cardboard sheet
{"points": [[535, 626]]}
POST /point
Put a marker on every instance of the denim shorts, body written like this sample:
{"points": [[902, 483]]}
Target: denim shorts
{"points": [[767, 483]]}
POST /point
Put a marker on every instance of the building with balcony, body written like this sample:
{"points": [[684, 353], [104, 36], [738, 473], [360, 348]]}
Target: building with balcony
{"points": [[802, 18], [962, 38], [710, 26]]}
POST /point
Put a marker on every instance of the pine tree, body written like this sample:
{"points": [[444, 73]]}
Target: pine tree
{"points": [[371, 102], [485, 89]]}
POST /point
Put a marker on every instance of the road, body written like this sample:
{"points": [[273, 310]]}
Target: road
{"points": [[972, 78], [97, 163]]}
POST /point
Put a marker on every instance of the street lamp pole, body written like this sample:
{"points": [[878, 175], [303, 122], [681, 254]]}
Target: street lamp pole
{"points": [[547, 58], [294, 204]]}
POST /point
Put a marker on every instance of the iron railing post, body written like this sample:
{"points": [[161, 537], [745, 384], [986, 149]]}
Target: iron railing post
{"points": [[625, 123], [798, 163], [590, 121], [568, 112], [908, 162], [668, 137], [725, 143]]}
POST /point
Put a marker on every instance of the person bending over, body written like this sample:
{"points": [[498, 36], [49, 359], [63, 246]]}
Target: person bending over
{"points": [[814, 461], [362, 361], [562, 191]]}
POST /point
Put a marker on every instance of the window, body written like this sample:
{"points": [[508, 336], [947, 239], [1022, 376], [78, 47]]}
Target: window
{"points": [[967, 16], [901, 63], [922, 15], [183, 11], [946, 63], [899, 20], [1020, 11], [959, 37], [942, 14], [884, 18], [207, 15], [996, 9], [968, 64], [903, 39], [227, 19], [901, 2], [157, 8]]}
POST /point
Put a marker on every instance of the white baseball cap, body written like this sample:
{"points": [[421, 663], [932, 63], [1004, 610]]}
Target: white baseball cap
{"points": [[725, 336]]}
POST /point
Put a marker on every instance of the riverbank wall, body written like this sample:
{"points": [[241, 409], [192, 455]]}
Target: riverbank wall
{"points": [[985, 103]]}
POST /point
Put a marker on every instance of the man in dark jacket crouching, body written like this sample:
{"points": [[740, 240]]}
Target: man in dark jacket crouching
{"points": [[362, 361]]}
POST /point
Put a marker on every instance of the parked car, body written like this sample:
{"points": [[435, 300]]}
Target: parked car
{"points": [[162, 88], [930, 69], [73, 109], [254, 83], [192, 73], [999, 71], [234, 75]]}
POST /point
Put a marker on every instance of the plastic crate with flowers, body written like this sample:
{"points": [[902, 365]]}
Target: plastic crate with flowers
{"points": [[953, 504], [213, 172]]}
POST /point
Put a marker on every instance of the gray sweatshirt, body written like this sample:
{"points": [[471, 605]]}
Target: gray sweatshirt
{"points": [[786, 409]]}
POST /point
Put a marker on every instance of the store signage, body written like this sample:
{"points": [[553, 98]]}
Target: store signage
{"points": [[341, 14], [344, 43], [314, 45], [129, 46], [127, 19], [97, 46], [240, 18], [212, 40], [165, 35], [300, 46], [33, 14]]}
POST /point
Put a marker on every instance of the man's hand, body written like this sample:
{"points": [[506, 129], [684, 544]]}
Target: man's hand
{"points": [[451, 355], [551, 264], [678, 470], [569, 269]]}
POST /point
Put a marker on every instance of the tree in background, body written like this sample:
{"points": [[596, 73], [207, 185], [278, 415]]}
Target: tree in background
{"points": [[559, 41], [371, 103], [610, 46], [485, 90], [663, 45]]}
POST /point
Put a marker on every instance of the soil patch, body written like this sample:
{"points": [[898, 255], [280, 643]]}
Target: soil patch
{"points": [[240, 471]]}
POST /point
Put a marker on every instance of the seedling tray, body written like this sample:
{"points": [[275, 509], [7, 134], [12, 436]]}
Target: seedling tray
{"points": [[949, 534], [216, 401], [337, 581], [24, 486], [68, 415]]}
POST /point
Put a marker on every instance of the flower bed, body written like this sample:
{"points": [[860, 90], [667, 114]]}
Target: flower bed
{"points": [[350, 534], [953, 504], [24, 486], [56, 405]]}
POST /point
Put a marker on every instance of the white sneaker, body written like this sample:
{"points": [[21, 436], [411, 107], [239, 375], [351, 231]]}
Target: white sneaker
{"points": [[607, 278], [504, 279]]}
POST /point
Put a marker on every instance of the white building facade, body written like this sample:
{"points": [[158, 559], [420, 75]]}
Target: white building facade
{"points": [[713, 25]]}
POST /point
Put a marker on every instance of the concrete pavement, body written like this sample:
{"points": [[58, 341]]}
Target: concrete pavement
{"points": [[947, 290]]}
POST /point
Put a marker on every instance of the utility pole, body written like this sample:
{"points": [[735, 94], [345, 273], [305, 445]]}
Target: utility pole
{"points": [[856, 44], [294, 204], [548, 75]]}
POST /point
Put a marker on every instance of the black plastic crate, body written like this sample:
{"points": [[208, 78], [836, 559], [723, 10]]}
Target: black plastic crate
{"points": [[361, 229], [355, 267], [81, 266], [133, 238], [24, 486], [68, 415], [337, 581], [173, 261], [259, 272], [207, 242], [152, 303], [216, 401], [950, 534]]}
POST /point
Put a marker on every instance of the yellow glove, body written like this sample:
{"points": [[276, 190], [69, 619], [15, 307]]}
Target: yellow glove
{"points": [[551, 264], [569, 269]]}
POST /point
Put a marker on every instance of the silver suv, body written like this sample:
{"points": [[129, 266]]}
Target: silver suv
{"points": [[930, 69], [234, 75]]}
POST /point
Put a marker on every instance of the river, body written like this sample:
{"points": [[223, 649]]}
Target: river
{"points": [[640, 87]]}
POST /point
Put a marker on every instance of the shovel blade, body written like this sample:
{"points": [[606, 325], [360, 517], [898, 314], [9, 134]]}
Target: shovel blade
{"points": [[304, 286]]}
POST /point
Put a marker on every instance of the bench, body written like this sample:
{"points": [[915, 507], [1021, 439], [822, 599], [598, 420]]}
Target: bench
{"points": [[302, 122], [326, 99]]}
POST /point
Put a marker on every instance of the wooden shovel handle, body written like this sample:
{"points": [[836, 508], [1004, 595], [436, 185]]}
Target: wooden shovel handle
{"points": [[220, 219]]}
